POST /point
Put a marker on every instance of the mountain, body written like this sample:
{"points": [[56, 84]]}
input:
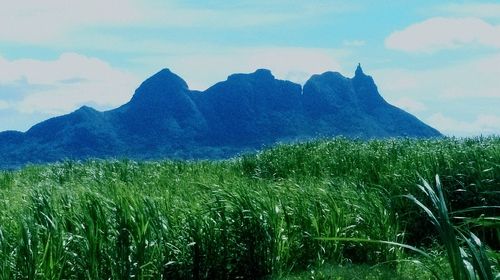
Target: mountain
{"points": [[165, 118]]}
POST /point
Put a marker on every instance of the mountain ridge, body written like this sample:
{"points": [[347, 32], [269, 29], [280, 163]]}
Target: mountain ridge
{"points": [[164, 118]]}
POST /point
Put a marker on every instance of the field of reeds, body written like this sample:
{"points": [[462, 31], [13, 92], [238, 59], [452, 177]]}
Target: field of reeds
{"points": [[330, 209]]}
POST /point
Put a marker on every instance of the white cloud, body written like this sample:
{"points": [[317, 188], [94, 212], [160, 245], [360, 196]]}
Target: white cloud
{"points": [[56, 21], [482, 125], [63, 99], [481, 10], [410, 105], [477, 78], [439, 33], [202, 70], [46, 21], [68, 66], [470, 87], [68, 82]]}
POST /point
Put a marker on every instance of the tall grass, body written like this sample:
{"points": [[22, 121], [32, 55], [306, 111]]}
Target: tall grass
{"points": [[249, 217], [465, 265]]}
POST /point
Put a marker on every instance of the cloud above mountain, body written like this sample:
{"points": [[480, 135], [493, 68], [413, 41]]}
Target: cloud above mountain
{"points": [[456, 95], [60, 85], [203, 69], [483, 124], [481, 10], [442, 33]]}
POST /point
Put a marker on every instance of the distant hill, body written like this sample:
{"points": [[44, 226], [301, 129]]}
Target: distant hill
{"points": [[165, 118]]}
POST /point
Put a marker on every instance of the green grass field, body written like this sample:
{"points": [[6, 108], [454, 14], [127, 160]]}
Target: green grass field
{"points": [[268, 215]]}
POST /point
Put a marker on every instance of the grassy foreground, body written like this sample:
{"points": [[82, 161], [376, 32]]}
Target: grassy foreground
{"points": [[251, 217]]}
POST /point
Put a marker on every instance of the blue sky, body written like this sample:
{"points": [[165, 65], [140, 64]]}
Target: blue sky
{"points": [[438, 60]]}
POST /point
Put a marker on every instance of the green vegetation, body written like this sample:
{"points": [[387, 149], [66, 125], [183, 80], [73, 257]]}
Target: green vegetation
{"points": [[271, 215]]}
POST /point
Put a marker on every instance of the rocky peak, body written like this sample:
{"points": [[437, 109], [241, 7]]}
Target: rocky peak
{"points": [[327, 92], [160, 89], [263, 74], [366, 91], [258, 75], [359, 71], [327, 77], [167, 77], [86, 110]]}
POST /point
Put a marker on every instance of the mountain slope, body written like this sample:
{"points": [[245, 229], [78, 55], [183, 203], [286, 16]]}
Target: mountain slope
{"points": [[161, 112], [165, 118], [354, 107]]}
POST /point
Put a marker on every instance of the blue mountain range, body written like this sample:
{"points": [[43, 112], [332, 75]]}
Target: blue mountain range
{"points": [[165, 119]]}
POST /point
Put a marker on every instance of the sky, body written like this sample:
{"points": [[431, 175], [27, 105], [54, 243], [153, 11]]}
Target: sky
{"points": [[438, 60]]}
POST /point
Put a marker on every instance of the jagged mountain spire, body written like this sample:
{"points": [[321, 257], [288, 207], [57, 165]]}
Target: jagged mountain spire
{"points": [[359, 70]]}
